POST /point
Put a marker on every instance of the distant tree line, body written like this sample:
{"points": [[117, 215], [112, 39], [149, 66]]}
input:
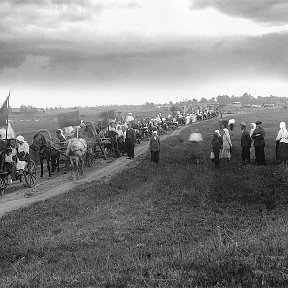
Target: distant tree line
{"points": [[28, 110], [246, 98]]}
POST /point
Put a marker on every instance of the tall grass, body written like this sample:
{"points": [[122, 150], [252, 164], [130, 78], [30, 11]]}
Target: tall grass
{"points": [[171, 224]]}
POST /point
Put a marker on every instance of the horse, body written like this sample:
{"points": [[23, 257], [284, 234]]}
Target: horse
{"points": [[46, 151], [76, 150]]}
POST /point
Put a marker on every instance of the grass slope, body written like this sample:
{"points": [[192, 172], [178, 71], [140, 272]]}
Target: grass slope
{"points": [[171, 224]]}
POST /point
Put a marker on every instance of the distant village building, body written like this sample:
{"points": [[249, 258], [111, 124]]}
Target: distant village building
{"points": [[209, 105], [237, 104], [164, 107], [213, 105], [268, 105], [15, 111]]}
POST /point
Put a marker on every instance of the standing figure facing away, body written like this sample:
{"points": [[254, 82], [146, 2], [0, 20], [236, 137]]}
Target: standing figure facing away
{"points": [[155, 147], [282, 140], [245, 144], [130, 141], [216, 147], [227, 145], [259, 143]]}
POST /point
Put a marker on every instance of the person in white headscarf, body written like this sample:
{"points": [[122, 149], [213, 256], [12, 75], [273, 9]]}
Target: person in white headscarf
{"points": [[155, 147], [23, 146], [218, 132], [282, 140], [23, 152], [227, 145]]}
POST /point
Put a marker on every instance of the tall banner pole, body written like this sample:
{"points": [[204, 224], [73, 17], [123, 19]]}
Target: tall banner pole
{"points": [[7, 114]]}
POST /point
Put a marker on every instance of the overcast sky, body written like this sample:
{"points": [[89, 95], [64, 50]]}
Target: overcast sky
{"points": [[94, 52]]}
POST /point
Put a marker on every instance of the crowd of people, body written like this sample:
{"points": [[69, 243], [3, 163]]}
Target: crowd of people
{"points": [[14, 151], [125, 135], [252, 143]]}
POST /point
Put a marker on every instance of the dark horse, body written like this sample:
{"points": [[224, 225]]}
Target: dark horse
{"points": [[46, 151]]}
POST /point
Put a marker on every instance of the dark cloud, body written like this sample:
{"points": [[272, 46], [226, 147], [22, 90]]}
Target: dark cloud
{"points": [[270, 11], [10, 57], [194, 60]]}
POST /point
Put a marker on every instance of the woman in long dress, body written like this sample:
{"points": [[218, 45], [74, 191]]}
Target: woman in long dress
{"points": [[282, 137], [227, 145]]}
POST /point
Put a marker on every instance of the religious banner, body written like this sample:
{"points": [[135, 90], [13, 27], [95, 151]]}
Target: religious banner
{"points": [[4, 113]]}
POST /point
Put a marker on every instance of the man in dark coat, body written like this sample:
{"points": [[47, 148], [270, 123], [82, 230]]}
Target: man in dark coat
{"points": [[130, 141], [155, 147], [245, 144], [259, 143]]}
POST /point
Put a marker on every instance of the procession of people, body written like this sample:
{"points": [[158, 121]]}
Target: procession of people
{"points": [[252, 141]]}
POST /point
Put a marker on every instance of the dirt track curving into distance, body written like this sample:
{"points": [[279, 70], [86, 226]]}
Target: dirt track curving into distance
{"points": [[18, 195]]}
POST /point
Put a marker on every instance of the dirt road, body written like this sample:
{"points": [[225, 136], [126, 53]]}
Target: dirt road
{"points": [[18, 196]]}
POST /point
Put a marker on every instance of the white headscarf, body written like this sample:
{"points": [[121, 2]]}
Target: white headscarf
{"points": [[253, 127], [283, 126], [20, 138], [218, 132], [282, 133]]}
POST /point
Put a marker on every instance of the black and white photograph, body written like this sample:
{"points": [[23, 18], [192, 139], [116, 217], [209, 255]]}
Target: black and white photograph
{"points": [[143, 143]]}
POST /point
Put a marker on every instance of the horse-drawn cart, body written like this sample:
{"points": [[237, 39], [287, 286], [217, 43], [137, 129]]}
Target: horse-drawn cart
{"points": [[28, 173], [55, 151]]}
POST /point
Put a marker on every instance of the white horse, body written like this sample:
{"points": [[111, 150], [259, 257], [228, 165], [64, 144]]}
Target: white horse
{"points": [[76, 150]]}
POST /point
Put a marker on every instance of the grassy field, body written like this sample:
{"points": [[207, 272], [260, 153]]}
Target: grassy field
{"points": [[171, 224]]}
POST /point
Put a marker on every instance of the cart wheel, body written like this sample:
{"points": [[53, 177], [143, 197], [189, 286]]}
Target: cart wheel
{"points": [[3, 185], [90, 160], [30, 174]]}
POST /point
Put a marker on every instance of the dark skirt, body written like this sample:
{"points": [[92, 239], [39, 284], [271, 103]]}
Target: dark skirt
{"points": [[282, 153], [155, 156], [277, 148]]}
